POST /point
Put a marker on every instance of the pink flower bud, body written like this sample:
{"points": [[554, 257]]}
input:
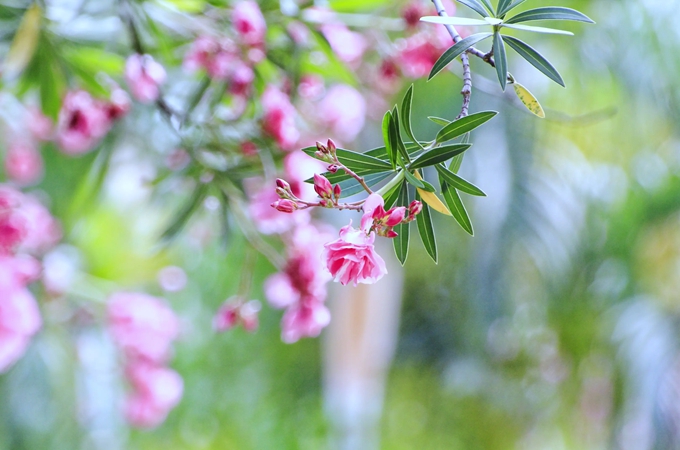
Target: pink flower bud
{"points": [[320, 147], [283, 184], [285, 205], [322, 186], [337, 190], [415, 208], [391, 234], [333, 168], [395, 216], [331, 147]]}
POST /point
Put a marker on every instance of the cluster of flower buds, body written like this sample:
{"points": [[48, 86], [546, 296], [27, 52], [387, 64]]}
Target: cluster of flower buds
{"points": [[329, 194], [327, 153], [236, 311]]}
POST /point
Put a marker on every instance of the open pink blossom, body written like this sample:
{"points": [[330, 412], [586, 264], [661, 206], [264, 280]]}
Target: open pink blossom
{"points": [[156, 390], [343, 109], [144, 76], [142, 325], [278, 119], [23, 164], [83, 121], [352, 257], [376, 219], [19, 321], [249, 22]]}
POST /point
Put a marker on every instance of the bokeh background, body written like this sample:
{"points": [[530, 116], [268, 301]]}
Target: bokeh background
{"points": [[555, 327]]}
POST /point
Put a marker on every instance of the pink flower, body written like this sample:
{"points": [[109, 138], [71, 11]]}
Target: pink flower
{"points": [[19, 321], [376, 219], [25, 224], [216, 56], [39, 125], [144, 76], [241, 79], [142, 325], [347, 45], [343, 109], [23, 164], [278, 119], [418, 55], [352, 257], [156, 390], [83, 121], [249, 22], [234, 311], [306, 320]]}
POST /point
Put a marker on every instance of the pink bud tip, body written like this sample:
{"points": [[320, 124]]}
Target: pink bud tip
{"points": [[415, 208], [331, 146], [322, 186], [337, 190], [332, 168], [284, 205], [282, 184]]}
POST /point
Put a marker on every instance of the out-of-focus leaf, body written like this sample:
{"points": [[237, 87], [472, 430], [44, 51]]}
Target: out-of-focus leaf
{"points": [[25, 41], [431, 199], [464, 125], [455, 51], [356, 5], [50, 77], [426, 230], [437, 155], [550, 13], [406, 115], [509, 7], [456, 21], [534, 29], [457, 208], [476, 6], [534, 58], [459, 183], [95, 59], [501, 59], [185, 213], [333, 68], [529, 100], [188, 6], [402, 240]]}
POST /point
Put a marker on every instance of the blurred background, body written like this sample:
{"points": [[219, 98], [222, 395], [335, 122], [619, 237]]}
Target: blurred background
{"points": [[555, 327]]}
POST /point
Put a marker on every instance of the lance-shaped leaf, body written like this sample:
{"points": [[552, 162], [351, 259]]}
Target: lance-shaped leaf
{"points": [[406, 115], [381, 152], [487, 3], [457, 182], [534, 29], [395, 135], [352, 186], [25, 41], [501, 59], [464, 125], [534, 58], [437, 155], [391, 196], [418, 183], [391, 152], [426, 230], [456, 21], [439, 120], [401, 241], [528, 99], [455, 51], [476, 6], [502, 6], [550, 13], [509, 7], [457, 208], [354, 160], [431, 198]]}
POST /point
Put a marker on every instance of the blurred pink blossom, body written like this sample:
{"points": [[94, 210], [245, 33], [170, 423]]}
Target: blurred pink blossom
{"points": [[267, 219], [19, 321], [249, 22], [234, 311], [278, 118], [144, 76], [418, 55], [83, 121], [23, 164], [39, 125], [343, 109], [347, 45], [156, 390], [142, 325], [306, 320], [216, 56]]}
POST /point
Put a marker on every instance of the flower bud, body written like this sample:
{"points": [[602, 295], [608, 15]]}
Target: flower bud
{"points": [[285, 205], [331, 147], [337, 190], [322, 186], [283, 184], [415, 208], [320, 147], [332, 168]]}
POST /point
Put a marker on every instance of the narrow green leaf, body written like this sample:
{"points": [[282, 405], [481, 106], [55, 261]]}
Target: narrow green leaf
{"points": [[476, 6], [438, 155], [455, 51], [456, 207], [550, 13], [186, 212], [391, 196], [390, 152], [457, 182], [464, 125], [381, 152], [487, 3], [354, 160], [413, 180], [426, 230], [510, 7], [543, 30], [406, 115], [401, 147], [351, 186], [401, 241], [439, 120], [456, 21], [534, 58], [502, 6], [501, 59], [456, 162]]}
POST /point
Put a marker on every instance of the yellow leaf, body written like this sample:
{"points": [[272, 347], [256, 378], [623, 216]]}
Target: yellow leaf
{"points": [[24, 43], [529, 100], [431, 198]]}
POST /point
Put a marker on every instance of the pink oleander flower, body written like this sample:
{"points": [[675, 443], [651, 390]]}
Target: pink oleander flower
{"points": [[216, 56], [352, 257], [241, 79], [343, 109], [83, 121], [418, 55], [156, 390], [412, 14], [305, 320], [376, 219], [278, 119], [144, 76], [23, 164], [249, 22], [347, 45], [233, 312], [142, 325]]}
